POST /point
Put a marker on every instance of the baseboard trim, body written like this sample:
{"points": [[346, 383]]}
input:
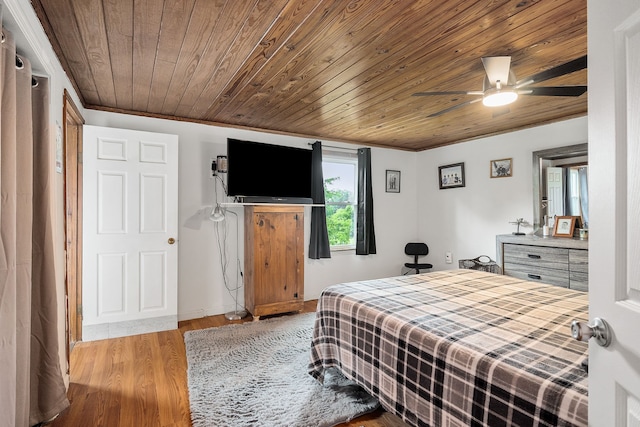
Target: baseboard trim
{"points": [[128, 328]]}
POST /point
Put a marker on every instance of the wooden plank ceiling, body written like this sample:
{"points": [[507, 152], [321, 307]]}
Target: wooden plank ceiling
{"points": [[324, 69]]}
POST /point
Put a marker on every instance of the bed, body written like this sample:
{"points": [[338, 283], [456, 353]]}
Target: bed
{"points": [[458, 348]]}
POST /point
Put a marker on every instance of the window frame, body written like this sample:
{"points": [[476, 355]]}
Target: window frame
{"points": [[345, 157]]}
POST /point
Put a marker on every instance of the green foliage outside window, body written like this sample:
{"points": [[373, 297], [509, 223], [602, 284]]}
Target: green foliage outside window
{"points": [[340, 214]]}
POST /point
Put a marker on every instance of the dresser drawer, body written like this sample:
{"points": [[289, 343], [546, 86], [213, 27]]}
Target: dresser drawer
{"points": [[552, 276], [579, 281], [579, 269], [536, 256], [579, 260]]}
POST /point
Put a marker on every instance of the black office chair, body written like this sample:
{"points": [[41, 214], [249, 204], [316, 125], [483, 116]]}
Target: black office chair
{"points": [[416, 250]]}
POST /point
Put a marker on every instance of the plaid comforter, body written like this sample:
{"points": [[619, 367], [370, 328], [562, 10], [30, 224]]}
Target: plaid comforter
{"points": [[458, 348]]}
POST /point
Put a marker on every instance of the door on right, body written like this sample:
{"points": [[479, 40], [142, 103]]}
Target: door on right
{"points": [[614, 183]]}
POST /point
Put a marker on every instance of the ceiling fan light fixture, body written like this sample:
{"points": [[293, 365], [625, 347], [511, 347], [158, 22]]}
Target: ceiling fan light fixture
{"points": [[499, 98]]}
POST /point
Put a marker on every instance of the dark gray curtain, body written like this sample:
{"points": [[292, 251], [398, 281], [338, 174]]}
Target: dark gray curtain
{"points": [[366, 238], [319, 239]]}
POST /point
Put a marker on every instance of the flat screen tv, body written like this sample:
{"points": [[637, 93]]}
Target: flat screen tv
{"points": [[268, 173]]}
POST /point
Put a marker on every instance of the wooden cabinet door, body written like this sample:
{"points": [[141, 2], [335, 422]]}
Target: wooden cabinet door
{"points": [[275, 263], [277, 258]]}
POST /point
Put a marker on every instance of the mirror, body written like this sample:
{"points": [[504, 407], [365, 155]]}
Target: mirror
{"points": [[560, 184]]}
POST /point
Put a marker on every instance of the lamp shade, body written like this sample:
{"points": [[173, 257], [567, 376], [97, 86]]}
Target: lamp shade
{"points": [[217, 215]]}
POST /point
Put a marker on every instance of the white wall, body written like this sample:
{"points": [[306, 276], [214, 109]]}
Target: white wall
{"points": [[465, 221], [201, 290]]}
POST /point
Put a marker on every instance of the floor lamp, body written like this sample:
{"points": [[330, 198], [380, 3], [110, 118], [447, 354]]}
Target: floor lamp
{"points": [[217, 215]]}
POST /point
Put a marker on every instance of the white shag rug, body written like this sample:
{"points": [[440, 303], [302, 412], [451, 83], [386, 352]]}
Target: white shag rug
{"points": [[255, 374]]}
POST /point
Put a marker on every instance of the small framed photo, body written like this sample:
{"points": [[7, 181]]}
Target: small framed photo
{"points": [[501, 168], [393, 181], [451, 176], [564, 226]]}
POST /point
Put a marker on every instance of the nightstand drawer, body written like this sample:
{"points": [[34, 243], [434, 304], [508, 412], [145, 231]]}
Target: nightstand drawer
{"points": [[536, 256]]}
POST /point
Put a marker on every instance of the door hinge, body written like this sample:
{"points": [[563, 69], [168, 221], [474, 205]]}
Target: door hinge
{"points": [[79, 310]]}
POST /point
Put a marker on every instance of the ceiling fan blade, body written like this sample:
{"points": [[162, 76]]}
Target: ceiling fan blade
{"points": [[554, 91], [455, 107], [452, 92], [497, 68], [560, 70]]}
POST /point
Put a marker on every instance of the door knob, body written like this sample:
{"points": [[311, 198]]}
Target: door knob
{"points": [[171, 240], [600, 330]]}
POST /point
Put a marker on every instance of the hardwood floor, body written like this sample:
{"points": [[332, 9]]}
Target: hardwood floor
{"points": [[141, 381]]}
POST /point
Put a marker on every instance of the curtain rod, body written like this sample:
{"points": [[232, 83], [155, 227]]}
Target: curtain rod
{"points": [[333, 146]]}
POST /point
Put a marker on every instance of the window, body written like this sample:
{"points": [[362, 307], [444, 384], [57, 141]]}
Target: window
{"points": [[340, 172]]}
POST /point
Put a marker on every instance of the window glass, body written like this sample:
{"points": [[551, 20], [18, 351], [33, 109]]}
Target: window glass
{"points": [[340, 189]]}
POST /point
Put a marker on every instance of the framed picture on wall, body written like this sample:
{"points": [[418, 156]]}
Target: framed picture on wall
{"points": [[393, 181], [451, 176], [564, 226], [501, 168]]}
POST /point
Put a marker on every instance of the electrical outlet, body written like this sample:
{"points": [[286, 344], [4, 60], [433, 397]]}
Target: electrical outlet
{"points": [[448, 258]]}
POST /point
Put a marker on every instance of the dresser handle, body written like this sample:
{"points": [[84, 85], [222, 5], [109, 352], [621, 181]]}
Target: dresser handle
{"points": [[534, 276], [533, 256]]}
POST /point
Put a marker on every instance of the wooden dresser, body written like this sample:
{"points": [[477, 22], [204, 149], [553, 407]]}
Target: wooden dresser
{"points": [[556, 261], [273, 259]]}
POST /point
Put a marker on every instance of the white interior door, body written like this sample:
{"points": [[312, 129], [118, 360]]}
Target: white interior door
{"points": [[130, 203], [614, 187], [555, 193]]}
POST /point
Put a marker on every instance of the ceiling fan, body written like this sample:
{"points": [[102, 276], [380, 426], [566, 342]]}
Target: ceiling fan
{"points": [[501, 88]]}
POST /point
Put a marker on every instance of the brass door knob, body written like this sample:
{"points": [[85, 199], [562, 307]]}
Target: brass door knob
{"points": [[171, 240]]}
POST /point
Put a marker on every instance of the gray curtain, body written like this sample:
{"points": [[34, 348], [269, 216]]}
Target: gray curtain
{"points": [[32, 386], [571, 192], [583, 176], [365, 237], [319, 237]]}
